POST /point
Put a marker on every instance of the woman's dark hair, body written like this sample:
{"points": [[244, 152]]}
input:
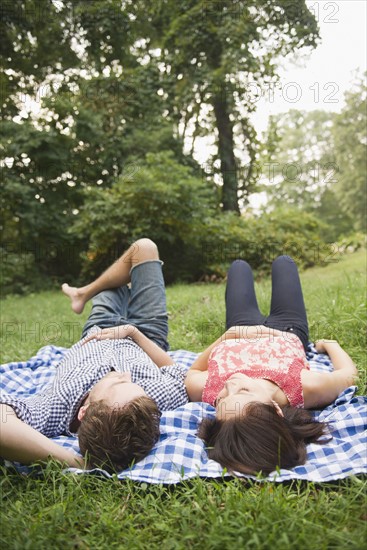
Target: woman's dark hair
{"points": [[262, 440]]}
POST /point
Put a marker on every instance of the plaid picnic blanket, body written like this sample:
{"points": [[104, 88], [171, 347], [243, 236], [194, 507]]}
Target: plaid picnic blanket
{"points": [[180, 454]]}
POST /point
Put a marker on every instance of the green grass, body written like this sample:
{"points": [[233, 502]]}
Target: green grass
{"points": [[63, 511]]}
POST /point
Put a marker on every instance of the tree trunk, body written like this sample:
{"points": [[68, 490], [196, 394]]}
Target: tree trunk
{"points": [[227, 159]]}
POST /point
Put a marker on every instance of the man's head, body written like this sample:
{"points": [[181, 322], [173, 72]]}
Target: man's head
{"points": [[116, 389], [119, 423]]}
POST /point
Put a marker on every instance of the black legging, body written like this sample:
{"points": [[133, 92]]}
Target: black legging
{"points": [[287, 310]]}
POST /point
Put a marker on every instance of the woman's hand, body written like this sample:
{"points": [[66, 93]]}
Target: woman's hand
{"points": [[112, 333], [322, 345]]}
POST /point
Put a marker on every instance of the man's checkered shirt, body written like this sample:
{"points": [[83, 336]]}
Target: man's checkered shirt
{"points": [[51, 411]]}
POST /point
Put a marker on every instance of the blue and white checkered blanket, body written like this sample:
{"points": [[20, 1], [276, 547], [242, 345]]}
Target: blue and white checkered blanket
{"points": [[180, 454]]}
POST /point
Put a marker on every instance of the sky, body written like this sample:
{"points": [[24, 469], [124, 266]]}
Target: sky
{"points": [[320, 80]]}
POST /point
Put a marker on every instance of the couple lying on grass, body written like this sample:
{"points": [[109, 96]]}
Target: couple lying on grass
{"points": [[112, 385]]}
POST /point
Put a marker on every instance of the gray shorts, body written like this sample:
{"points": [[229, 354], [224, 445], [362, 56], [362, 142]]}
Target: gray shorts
{"points": [[142, 304]]}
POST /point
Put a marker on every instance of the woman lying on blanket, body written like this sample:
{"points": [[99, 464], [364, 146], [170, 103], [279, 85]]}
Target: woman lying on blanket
{"points": [[257, 376]]}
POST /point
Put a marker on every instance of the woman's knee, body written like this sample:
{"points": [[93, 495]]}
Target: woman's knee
{"points": [[283, 259], [239, 265]]}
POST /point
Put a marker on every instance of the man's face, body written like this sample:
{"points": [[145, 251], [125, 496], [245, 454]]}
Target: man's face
{"points": [[115, 389]]}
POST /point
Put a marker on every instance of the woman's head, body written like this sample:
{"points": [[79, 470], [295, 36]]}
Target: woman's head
{"points": [[262, 440], [238, 392]]}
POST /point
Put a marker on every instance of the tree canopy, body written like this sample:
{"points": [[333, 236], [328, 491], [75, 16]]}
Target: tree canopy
{"points": [[103, 101]]}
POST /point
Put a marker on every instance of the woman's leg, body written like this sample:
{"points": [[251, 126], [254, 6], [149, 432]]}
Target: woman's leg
{"points": [[241, 303], [117, 275], [287, 310]]}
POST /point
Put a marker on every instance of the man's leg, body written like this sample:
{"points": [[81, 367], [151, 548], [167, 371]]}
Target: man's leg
{"points": [[241, 303], [287, 310], [147, 308], [117, 275]]}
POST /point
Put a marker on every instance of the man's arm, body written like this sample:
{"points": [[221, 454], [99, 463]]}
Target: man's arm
{"points": [[157, 355], [22, 443]]}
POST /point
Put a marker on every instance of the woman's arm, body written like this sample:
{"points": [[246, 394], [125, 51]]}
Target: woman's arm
{"points": [[157, 355], [321, 389], [22, 443]]}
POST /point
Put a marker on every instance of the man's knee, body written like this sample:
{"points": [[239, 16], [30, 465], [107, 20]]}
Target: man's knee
{"points": [[145, 249]]}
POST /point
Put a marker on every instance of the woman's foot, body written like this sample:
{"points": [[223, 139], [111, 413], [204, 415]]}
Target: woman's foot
{"points": [[76, 297]]}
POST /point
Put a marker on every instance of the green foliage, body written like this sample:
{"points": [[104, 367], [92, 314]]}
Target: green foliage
{"points": [[33, 43], [298, 157], [259, 240], [164, 200], [19, 273], [213, 53], [349, 133], [303, 166], [156, 197]]}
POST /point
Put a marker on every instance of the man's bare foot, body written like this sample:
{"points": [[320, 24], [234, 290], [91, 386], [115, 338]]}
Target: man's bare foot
{"points": [[76, 297]]}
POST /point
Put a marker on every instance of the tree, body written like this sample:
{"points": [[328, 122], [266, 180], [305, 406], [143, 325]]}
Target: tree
{"points": [[297, 161], [97, 105], [350, 143], [214, 53], [316, 161]]}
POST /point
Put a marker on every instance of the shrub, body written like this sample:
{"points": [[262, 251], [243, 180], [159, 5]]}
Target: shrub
{"points": [[19, 273], [161, 199], [157, 198]]}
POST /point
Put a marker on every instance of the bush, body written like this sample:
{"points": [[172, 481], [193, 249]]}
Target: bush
{"points": [[19, 273], [258, 240], [351, 242], [167, 202], [157, 198]]}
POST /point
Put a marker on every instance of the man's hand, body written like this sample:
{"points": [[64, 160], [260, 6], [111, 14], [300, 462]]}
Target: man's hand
{"points": [[112, 333]]}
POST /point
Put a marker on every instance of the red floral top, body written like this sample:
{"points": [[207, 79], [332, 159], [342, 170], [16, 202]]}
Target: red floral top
{"points": [[278, 359]]}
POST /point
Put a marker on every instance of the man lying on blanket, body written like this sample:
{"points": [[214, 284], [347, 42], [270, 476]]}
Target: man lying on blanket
{"points": [[112, 385]]}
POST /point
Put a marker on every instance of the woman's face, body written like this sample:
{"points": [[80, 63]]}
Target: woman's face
{"points": [[240, 390]]}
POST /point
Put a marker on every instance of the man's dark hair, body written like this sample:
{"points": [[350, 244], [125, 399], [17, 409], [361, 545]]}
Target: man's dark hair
{"points": [[113, 438], [262, 440]]}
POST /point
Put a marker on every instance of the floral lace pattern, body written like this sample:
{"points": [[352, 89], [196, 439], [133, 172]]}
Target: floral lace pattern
{"points": [[278, 359]]}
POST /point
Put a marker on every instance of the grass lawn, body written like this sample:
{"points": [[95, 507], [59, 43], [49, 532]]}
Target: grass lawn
{"points": [[63, 511]]}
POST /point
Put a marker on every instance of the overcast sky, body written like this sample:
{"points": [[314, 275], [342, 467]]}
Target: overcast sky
{"points": [[323, 77]]}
